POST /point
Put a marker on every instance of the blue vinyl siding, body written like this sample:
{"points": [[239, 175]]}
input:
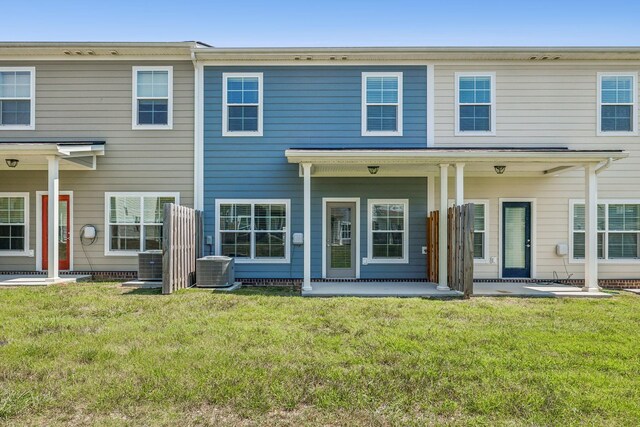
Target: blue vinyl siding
{"points": [[312, 107]]}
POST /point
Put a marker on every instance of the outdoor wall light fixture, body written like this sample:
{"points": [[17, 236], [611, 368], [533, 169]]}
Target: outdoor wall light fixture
{"points": [[499, 169], [12, 163], [373, 169]]}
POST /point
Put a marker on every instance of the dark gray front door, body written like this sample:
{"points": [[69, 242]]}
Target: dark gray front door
{"points": [[341, 237], [516, 239]]}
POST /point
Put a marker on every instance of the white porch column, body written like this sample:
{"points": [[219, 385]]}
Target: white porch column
{"points": [[53, 218], [442, 230], [306, 283], [591, 229], [459, 184]]}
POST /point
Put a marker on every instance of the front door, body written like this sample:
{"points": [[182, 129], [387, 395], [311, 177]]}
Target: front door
{"points": [[516, 239], [340, 240], [64, 227]]}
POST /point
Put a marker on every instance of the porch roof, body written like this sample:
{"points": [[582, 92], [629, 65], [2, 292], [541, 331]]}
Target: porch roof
{"points": [[32, 155], [479, 161]]}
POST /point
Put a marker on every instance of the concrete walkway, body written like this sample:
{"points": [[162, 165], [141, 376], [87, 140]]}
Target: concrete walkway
{"points": [[38, 280], [378, 289], [428, 290], [514, 289]]}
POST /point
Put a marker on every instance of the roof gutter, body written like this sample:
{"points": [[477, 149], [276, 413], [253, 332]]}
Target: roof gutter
{"points": [[605, 166]]}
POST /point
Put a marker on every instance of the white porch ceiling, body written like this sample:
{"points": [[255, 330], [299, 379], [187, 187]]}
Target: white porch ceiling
{"points": [[425, 162]]}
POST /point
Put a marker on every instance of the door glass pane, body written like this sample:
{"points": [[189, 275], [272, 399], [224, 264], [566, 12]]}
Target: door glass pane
{"points": [[63, 243], [514, 245], [340, 237]]}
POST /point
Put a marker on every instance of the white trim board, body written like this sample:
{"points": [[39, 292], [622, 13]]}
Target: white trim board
{"points": [[27, 225], [606, 260], [134, 102], [107, 234], [225, 106], [357, 216], [634, 109], [486, 204], [32, 98], [492, 108], [534, 231], [39, 236], [252, 202], [399, 104], [405, 237]]}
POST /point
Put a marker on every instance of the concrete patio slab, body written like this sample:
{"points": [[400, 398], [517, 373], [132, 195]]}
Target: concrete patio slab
{"points": [[151, 284], [378, 289], [38, 280], [635, 291], [515, 289]]}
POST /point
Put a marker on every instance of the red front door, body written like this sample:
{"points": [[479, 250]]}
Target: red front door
{"points": [[64, 249]]}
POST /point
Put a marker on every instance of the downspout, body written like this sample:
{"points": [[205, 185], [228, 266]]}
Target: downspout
{"points": [[198, 133], [605, 166]]}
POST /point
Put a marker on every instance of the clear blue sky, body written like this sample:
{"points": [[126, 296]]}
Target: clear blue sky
{"points": [[327, 22]]}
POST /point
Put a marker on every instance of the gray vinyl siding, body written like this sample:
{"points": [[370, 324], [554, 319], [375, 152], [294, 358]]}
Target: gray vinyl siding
{"points": [[77, 100]]}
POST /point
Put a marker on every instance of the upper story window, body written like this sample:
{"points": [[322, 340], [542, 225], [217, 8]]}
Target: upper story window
{"points": [[242, 104], [17, 98], [475, 104], [152, 97], [617, 104], [382, 104]]}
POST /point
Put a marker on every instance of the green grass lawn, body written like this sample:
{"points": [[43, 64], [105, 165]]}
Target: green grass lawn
{"points": [[98, 354]]}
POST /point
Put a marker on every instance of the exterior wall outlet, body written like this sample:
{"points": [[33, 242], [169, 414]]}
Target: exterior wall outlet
{"points": [[365, 261], [209, 240], [562, 249], [298, 239], [424, 250], [493, 260]]}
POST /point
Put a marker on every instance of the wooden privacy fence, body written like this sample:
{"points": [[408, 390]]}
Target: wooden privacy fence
{"points": [[181, 246], [460, 247], [432, 246]]}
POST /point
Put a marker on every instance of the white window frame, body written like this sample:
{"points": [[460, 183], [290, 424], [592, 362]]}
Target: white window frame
{"points": [[405, 237], [26, 252], [399, 104], [135, 98], [107, 209], [253, 202], [226, 105], [485, 203], [634, 109], [32, 98], [492, 77], [605, 243]]}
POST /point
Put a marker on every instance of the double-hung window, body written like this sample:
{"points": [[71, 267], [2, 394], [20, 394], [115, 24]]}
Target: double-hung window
{"points": [[242, 104], [134, 221], [17, 98], [253, 230], [617, 104], [388, 231], [480, 225], [14, 224], [475, 104], [152, 97], [382, 104], [480, 229], [618, 228]]}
